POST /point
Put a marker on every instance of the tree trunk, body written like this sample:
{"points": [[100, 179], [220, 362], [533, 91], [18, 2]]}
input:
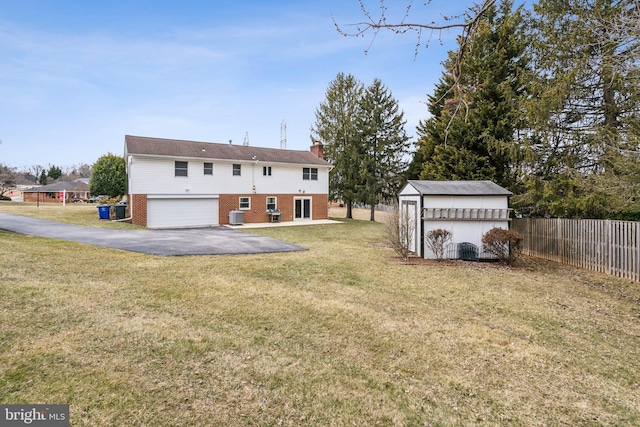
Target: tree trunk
{"points": [[373, 213], [349, 213]]}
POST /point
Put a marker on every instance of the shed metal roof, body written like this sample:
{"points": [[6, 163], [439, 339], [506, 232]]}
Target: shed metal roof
{"points": [[142, 145], [459, 188]]}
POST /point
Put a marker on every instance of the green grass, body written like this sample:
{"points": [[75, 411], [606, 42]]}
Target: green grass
{"points": [[343, 334], [74, 213]]}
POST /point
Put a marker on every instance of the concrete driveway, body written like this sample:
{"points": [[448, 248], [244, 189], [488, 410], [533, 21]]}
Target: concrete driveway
{"points": [[192, 241]]}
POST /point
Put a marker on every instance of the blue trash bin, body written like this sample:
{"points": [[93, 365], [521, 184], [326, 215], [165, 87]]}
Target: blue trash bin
{"points": [[103, 211]]}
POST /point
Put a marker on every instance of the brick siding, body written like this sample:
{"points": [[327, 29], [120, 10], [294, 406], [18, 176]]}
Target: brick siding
{"points": [[258, 211], [138, 209], [231, 202]]}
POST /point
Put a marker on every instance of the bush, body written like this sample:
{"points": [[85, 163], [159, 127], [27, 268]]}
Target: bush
{"points": [[399, 230], [504, 244], [437, 240], [109, 176]]}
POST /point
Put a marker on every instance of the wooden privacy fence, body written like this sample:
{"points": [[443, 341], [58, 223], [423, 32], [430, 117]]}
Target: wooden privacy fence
{"points": [[606, 246]]}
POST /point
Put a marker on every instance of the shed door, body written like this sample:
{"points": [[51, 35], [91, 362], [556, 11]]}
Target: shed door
{"points": [[174, 213], [408, 223]]}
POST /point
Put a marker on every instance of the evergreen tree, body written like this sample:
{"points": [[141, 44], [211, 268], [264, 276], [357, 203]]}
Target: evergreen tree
{"points": [[108, 176], [54, 172], [43, 178], [335, 126], [385, 143], [583, 145], [472, 134]]}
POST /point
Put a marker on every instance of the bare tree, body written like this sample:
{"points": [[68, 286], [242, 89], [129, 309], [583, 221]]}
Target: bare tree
{"points": [[7, 178], [399, 229], [35, 171], [466, 22]]}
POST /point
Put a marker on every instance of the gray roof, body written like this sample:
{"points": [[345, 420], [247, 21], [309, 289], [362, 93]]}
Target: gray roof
{"points": [[142, 145], [69, 186], [459, 188]]}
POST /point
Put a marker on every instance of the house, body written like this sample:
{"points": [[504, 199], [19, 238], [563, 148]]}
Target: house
{"points": [[467, 209], [58, 192], [176, 183]]}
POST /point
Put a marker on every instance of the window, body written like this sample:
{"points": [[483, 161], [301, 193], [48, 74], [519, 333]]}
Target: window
{"points": [[182, 168], [208, 168], [310, 174], [266, 170], [245, 203], [236, 169], [272, 203]]}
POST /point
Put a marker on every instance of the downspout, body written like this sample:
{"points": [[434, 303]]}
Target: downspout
{"points": [[130, 205]]}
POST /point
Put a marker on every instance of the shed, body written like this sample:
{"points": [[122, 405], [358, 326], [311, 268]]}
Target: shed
{"points": [[468, 209]]}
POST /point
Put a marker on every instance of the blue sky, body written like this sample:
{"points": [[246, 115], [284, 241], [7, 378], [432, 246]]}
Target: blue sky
{"points": [[76, 75]]}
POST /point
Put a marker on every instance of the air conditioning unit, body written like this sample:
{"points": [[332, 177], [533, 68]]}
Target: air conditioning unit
{"points": [[236, 218]]}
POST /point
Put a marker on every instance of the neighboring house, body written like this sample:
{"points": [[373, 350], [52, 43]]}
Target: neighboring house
{"points": [[468, 209], [57, 192], [175, 183]]}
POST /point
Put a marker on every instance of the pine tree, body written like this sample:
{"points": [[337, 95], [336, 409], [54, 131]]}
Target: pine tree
{"points": [[472, 135], [583, 146], [335, 126], [385, 143], [42, 180], [54, 172]]}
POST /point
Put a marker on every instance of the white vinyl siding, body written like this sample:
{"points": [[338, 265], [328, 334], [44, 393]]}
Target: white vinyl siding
{"points": [[155, 176]]}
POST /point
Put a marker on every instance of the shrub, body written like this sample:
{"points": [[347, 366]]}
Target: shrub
{"points": [[437, 240], [399, 232], [504, 244]]}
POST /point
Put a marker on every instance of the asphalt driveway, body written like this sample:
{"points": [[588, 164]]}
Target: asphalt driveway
{"points": [[192, 241]]}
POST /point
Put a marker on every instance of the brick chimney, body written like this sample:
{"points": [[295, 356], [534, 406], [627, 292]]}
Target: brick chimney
{"points": [[317, 148]]}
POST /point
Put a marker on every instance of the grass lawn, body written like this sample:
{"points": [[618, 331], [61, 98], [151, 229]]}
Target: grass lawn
{"points": [[340, 335]]}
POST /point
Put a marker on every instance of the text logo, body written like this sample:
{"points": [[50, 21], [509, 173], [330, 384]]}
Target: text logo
{"points": [[34, 415]]}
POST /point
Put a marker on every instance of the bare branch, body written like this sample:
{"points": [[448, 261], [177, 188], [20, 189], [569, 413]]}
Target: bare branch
{"points": [[466, 22]]}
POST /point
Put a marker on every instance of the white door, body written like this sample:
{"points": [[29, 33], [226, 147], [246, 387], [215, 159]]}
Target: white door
{"points": [[302, 208], [408, 224], [175, 213]]}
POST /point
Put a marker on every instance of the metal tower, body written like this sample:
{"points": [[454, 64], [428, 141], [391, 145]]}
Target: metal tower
{"points": [[283, 135]]}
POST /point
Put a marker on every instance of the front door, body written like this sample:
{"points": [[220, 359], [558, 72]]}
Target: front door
{"points": [[302, 208]]}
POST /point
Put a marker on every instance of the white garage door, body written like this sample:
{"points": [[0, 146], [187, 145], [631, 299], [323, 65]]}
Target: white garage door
{"points": [[170, 213]]}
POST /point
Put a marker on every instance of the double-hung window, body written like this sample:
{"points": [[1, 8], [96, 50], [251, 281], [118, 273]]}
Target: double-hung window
{"points": [[181, 168], [208, 168], [272, 203], [244, 203], [310, 174], [266, 170], [237, 168]]}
